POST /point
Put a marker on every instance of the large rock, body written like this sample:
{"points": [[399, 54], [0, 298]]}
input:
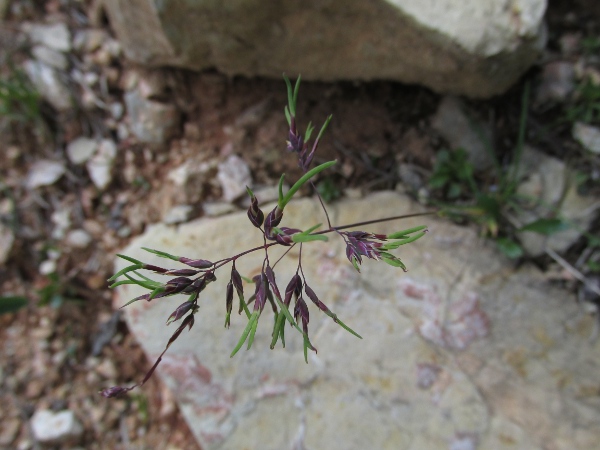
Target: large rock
{"points": [[476, 47], [460, 352]]}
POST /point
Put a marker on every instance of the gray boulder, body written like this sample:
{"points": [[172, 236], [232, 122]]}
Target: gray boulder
{"points": [[477, 47], [460, 352]]}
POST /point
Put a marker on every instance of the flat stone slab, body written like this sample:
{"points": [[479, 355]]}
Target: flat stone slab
{"points": [[478, 47], [461, 352]]}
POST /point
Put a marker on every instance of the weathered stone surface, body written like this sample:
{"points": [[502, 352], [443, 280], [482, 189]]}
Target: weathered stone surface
{"points": [[461, 129], [588, 136], [55, 428], [478, 48], [152, 122], [460, 352], [549, 189], [44, 173], [49, 84]]}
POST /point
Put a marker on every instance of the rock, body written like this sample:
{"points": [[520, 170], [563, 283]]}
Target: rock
{"points": [[460, 352], [47, 267], [78, 238], [152, 122], [178, 214], [116, 110], [100, 165], [548, 185], [213, 209], [44, 172], [234, 176], [89, 40], [266, 194], [55, 36], [7, 239], [81, 149], [61, 218], [461, 129], [55, 428], [477, 49], [557, 83], [50, 57], [48, 84], [588, 136]]}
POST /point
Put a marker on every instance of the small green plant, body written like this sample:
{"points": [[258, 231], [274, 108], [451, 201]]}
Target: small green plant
{"points": [[590, 45], [18, 99], [56, 292], [585, 106], [328, 190], [490, 207], [10, 304], [453, 173], [199, 273]]}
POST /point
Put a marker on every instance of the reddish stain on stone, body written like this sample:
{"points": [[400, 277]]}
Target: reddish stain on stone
{"points": [[453, 322], [412, 289], [427, 374]]}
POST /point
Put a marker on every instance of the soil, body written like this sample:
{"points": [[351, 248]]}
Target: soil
{"points": [[68, 342]]}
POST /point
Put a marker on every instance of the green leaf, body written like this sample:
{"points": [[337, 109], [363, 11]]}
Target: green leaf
{"points": [[125, 270], [130, 259], [252, 333], [309, 130], [287, 116], [454, 190], [324, 127], [278, 330], [307, 176], [392, 261], [296, 89], [396, 244], [301, 237], [593, 266], [290, 108], [162, 254], [509, 247], [11, 304], [438, 181], [344, 326], [546, 226], [280, 188], [404, 234], [245, 333], [146, 284]]}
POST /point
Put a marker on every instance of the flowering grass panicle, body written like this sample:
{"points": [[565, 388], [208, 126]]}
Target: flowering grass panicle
{"points": [[192, 281]]}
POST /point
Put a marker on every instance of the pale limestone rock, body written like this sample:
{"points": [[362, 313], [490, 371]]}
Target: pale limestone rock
{"points": [[49, 84], [81, 149], [55, 36], [549, 190], [234, 176], [7, 238], [55, 428], [588, 136], [78, 238], [510, 363], [49, 56], [100, 165], [476, 47], [44, 173], [151, 122], [178, 214]]}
